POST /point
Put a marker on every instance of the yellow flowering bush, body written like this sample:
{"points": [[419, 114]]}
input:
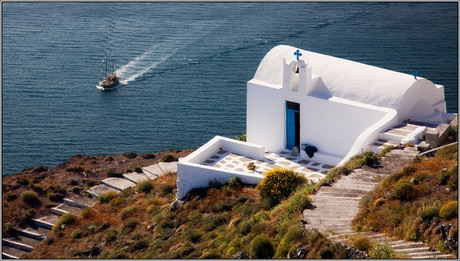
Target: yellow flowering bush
{"points": [[279, 183]]}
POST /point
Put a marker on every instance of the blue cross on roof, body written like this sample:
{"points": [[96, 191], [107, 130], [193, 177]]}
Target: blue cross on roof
{"points": [[415, 74], [298, 54]]}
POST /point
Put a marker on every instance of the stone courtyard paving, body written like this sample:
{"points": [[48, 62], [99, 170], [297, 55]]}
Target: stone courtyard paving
{"points": [[229, 161]]}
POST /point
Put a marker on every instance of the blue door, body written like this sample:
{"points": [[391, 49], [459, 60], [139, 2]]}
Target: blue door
{"points": [[292, 124]]}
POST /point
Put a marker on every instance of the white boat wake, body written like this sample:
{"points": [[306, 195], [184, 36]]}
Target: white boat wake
{"points": [[144, 63]]}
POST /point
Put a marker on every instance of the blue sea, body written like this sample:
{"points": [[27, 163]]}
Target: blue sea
{"points": [[184, 67]]}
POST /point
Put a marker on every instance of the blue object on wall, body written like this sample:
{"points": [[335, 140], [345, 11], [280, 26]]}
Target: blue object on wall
{"points": [[292, 125], [298, 54]]}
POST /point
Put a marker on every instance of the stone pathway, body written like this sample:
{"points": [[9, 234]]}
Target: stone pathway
{"points": [[336, 206], [314, 171], [27, 239]]}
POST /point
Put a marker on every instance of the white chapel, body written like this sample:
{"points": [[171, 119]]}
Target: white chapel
{"points": [[311, 112]]}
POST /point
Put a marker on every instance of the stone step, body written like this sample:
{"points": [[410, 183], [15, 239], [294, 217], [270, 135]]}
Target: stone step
{"points": [[64, 208], [79, 201], [334, 206], [47, 221], [335, 194], [135, 177], [12, 253], [412, 250], [168, 167], [326, 199], [153, 171], [435, 256], [331, 212], [26, 238], [17, 245], [98, 190], [119, 184], [338, 228], [37, 230], [355, 185], [401, 244], [30, 234]]}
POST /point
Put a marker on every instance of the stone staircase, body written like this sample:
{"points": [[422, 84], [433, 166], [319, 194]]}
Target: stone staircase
{"points": [[334, 207], [25, 240], [405, 249], [394, 135]]}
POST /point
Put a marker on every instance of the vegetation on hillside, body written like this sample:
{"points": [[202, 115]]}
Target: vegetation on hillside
{"points": [[418, 203], [221, 221]]}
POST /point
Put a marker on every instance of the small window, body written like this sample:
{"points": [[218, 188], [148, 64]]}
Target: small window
{"points": [[293, 106]]}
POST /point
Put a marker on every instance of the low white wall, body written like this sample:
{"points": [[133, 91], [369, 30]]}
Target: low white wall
{"points": [[192, 174]]}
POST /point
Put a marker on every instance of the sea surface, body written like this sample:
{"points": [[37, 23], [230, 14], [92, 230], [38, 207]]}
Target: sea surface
{"points": [[184, 67]]}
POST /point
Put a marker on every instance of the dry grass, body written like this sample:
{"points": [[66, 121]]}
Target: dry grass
{"points": [[208, 225], [407, 203]]}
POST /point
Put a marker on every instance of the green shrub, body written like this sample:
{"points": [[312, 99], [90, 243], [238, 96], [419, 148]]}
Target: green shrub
{"points": [[55, 197], [112, 172], [77, 233], [109, 158], [449, 210], [138, 169], [422, 176], [66, 219], [261, 247], [246, 225], [148, 156], [141, 244], [409, 170], [107, 197], [428, 213], [86, 212], [128, 211], [453, 179], [362, 243], [293, 235], [447, 152], [403, 190], [28, 215], [9, 229], [30, 198], [24, 181], [37, 188], [212, 221], [385, 150], [130, 155], [241, 138], [279, 183], [40, 169], [168, 158], [145, 187], [234, 182], [76, 189], [298, 202], [73, 182], [110, 235], [383, 252], [370, 158]]}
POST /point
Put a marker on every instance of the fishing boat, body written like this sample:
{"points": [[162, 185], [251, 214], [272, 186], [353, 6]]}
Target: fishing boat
{"points": [[111, 81]]}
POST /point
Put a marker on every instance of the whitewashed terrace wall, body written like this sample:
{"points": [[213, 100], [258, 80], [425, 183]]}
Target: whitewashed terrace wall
{"points": [[192, 174]]}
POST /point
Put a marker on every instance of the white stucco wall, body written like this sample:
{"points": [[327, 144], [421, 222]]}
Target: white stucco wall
{"points": [[333, 125]]}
